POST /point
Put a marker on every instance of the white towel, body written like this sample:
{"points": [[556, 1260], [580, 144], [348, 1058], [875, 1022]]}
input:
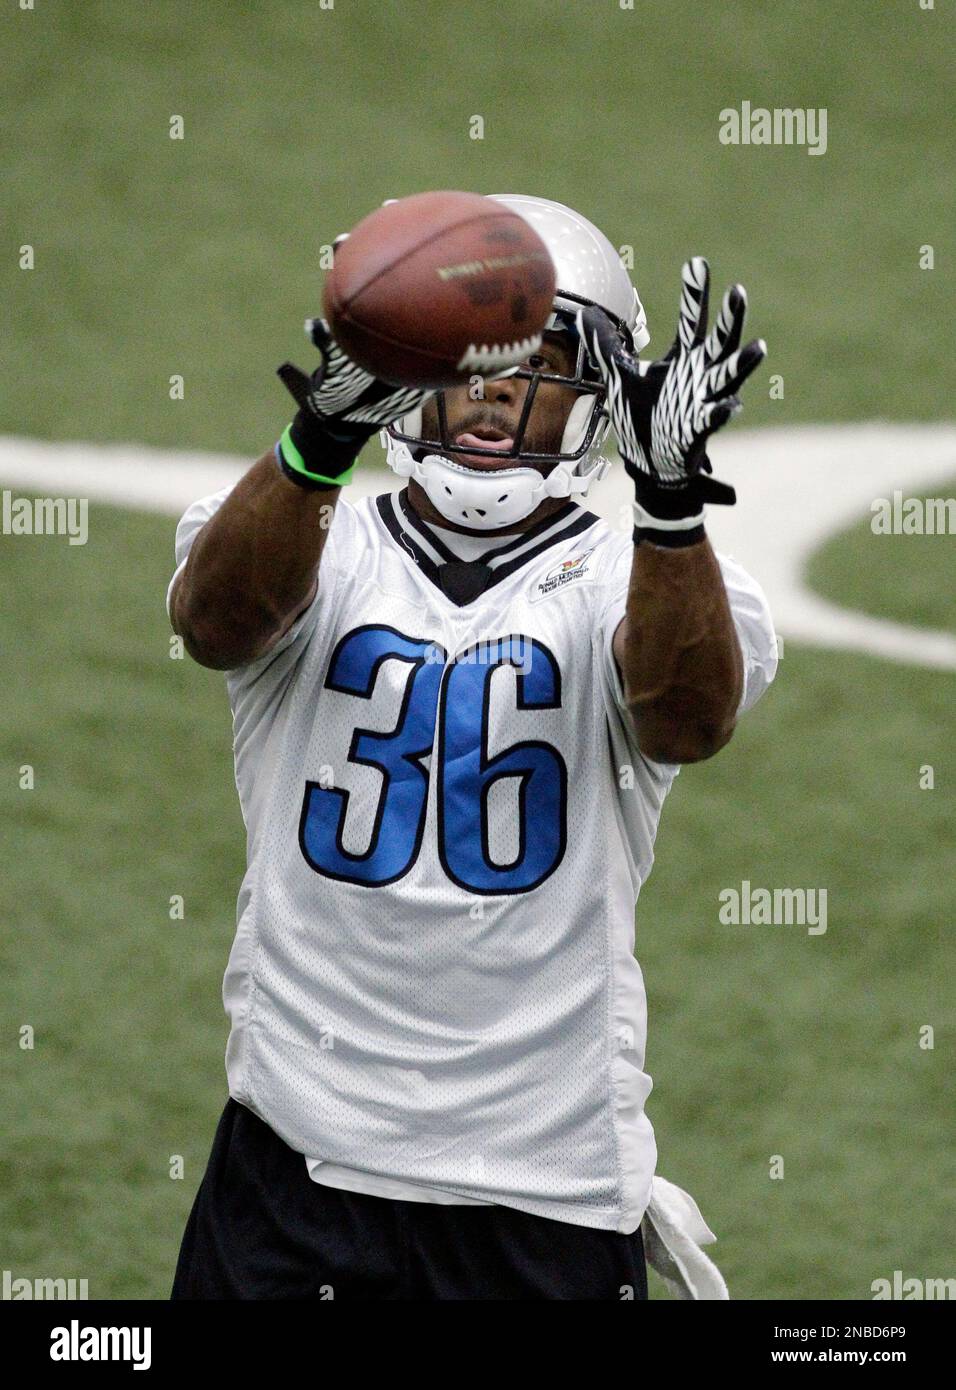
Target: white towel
{"points": [[673, 1231]]}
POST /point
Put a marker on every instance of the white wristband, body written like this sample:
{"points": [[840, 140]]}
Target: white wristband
{"points": [[644, 521]]}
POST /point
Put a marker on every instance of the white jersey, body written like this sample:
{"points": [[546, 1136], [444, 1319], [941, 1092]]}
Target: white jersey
{"points": [[432, 988]]}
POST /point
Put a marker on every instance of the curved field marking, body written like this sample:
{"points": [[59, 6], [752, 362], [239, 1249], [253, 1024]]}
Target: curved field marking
{"points": [[124, 475], [799, 487], [796, 487]]}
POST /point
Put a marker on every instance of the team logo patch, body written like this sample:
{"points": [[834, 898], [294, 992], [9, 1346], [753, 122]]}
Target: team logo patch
{"points": [[568, 572]]}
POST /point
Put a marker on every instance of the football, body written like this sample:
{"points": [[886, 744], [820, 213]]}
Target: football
{"points": [[433, 289]]}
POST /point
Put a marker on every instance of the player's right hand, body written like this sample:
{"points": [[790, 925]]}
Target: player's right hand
{"points": [[340, 407], [341, 394]]}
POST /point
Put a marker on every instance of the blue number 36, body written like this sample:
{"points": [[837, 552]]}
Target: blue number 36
{"points": [[456, 695]]}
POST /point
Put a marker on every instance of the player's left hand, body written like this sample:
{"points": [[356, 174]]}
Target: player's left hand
{"points": [[663, 412]]}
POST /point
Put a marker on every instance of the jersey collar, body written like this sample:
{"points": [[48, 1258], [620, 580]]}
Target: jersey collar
{"points": [[463, 581]]}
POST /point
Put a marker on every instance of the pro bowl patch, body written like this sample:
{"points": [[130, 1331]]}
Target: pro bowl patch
{"points": [[570, 571]]}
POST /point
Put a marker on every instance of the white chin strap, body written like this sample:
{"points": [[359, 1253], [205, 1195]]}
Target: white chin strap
{"points": [[487, 500]]}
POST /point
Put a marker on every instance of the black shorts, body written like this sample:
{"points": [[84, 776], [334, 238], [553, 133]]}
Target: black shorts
{"points": [[260, 1228]]}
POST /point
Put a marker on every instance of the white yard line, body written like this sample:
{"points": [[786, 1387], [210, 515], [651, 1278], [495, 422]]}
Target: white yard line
{"points": [[795, 486]]}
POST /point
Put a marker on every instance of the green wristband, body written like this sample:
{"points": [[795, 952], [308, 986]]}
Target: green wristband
{"points": [[297, 471]]}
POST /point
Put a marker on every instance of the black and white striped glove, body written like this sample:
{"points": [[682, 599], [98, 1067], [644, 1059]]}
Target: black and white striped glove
{"points": [[340, 407], [663, 412]]}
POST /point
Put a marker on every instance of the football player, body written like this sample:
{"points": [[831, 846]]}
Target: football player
{"points": [[457, 711]]}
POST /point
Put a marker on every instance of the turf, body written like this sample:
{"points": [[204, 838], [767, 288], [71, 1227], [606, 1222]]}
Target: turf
{"points": [[198, 257], [908, 578], [157, 258]]}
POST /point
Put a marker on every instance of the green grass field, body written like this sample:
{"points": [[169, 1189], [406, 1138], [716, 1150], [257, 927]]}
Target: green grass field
{"points": [[198, 256], [156, 257], [906, 578]]}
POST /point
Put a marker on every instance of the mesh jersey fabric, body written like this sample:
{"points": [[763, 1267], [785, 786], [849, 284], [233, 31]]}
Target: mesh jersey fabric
{"points": [[433, 984]]}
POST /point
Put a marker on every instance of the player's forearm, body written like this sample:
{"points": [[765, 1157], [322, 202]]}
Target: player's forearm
{"points": [[253, 567], [678, 653]]}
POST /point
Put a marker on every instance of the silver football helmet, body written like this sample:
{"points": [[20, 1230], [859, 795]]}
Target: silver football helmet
{"points": [[588, 271]]}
